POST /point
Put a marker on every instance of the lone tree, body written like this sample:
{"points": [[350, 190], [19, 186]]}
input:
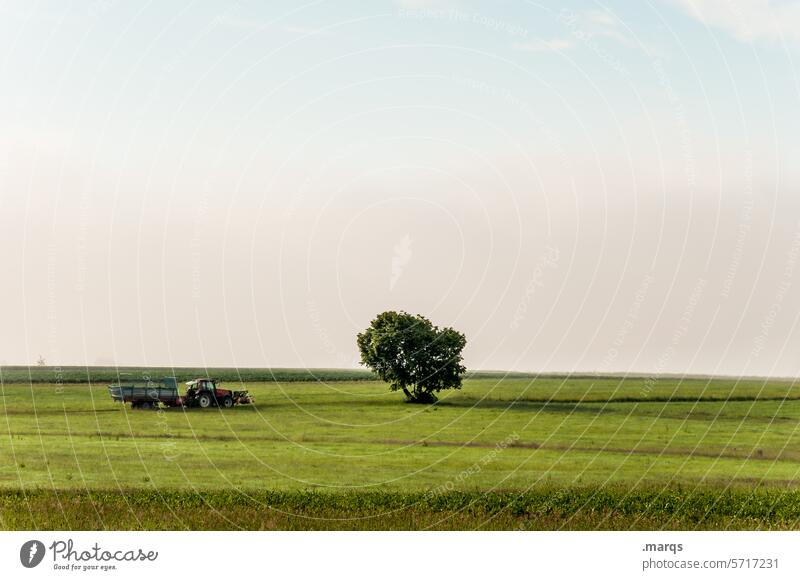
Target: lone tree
{"points": [[413, 355]]}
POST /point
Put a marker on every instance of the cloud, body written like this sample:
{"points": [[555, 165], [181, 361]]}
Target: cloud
{"points": [[541, 45], [585, 28], [595, 24], [747, 20], [599, 30]]}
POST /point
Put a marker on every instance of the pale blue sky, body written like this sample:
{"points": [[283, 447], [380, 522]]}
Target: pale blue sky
{"points": [[249, 183]]}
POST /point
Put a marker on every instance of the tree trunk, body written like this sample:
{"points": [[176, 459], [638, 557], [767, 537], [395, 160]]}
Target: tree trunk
{"points": [[420, 396]]}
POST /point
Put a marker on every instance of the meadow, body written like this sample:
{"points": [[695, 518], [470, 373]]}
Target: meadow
{"points": [[505, 452]]}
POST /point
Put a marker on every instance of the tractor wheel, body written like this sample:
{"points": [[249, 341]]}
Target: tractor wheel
{"points": [[204, 400], [227, 402]]}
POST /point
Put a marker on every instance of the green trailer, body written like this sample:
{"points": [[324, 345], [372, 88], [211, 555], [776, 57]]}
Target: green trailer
{"points": [[147, 393]]}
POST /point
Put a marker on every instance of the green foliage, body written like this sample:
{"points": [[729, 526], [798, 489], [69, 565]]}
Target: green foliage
{"points": [[100, 374], [413, 355], [541, 508]]}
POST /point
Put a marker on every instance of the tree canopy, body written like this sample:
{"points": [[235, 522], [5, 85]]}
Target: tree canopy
{"points": [[413, 355]]}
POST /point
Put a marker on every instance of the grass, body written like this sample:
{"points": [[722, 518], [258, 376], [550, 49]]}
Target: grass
{"points": [[544, 508], [312, 455]]}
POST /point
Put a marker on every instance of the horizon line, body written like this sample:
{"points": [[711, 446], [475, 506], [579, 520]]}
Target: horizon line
{"points": [[519, 373]]}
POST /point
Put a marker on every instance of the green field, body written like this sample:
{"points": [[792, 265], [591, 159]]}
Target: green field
{"points": [[502, 453]]}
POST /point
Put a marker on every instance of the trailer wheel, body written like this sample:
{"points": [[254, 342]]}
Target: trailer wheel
{"points": [[227, 402], [145, 405], [204, 401]]}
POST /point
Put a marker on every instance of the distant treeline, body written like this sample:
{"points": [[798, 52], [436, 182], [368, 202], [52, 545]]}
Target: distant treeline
{"points": [[107, 374], [71, 374]]}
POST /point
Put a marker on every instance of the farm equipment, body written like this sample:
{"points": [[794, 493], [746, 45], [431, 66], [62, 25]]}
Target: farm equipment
{"points": [[147, 394], [204, 393]]}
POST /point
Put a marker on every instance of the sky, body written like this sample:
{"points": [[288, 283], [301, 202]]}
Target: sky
{"points": [[576, 186]]}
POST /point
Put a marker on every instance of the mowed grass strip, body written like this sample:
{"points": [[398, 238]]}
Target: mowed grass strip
{"points": [[544, 508]]}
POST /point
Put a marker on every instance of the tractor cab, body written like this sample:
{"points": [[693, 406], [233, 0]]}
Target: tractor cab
{"points": [[203, 384]]}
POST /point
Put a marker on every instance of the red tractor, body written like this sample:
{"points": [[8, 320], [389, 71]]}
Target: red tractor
{"points": [[206, 393]]}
